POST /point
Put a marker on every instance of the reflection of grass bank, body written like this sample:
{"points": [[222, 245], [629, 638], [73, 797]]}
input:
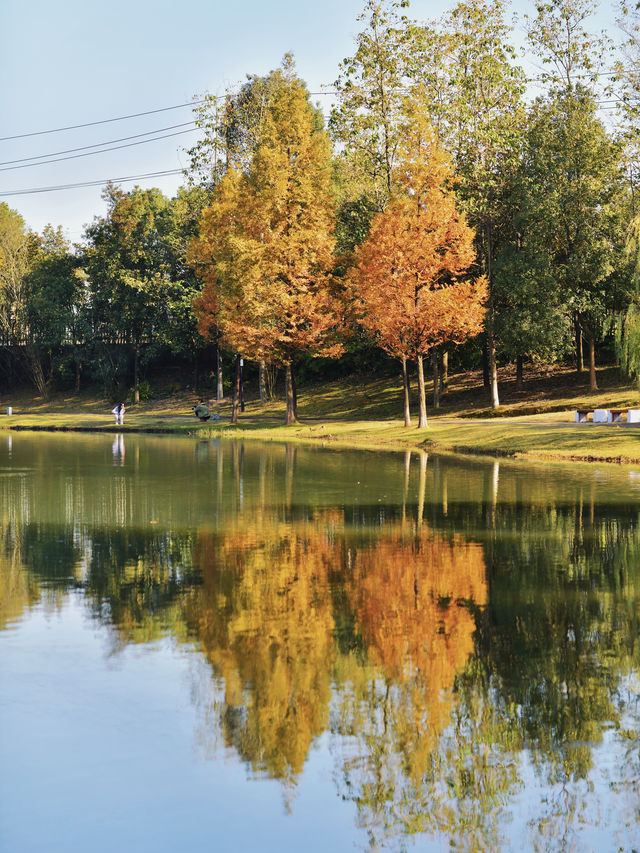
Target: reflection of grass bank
{"points": [[534, 423]]}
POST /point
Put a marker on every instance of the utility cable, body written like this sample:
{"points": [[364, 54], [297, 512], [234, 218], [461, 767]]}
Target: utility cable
{"points": [[102, 121], [102, 151], [91, 183], [198, 101], [96, 144], [124, 118]]}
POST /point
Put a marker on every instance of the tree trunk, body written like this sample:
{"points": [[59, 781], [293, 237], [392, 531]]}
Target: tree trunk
{"points": [[444, 373], [591, 344], [422, 397], [51, 368], [235, 407], [406, 392], [241, 385], [262, 385], [491, 341], [219, 389], [579, 355], [292, 404], [486, 379], [493, 370], [78, 366], [136, 378], [196, 373], [436, 379], [37, 373], [295, 393], [519, 373]]}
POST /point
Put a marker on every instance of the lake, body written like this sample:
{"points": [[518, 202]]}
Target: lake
{"points": [[210, 645]]}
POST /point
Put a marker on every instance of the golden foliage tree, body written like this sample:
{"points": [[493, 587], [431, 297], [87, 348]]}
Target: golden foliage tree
{"points": [[265, 249], [410, 275], [264, 619]]}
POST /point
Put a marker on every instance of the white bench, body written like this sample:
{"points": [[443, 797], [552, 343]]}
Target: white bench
{"points": [[607, 416], [602, 416]]}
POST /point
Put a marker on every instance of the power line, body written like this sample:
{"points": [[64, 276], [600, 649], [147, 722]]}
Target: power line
{"points": [[132, 115], [608, 102], [102, 121], [91, 183], [96, 144], [102, 151], [204, 100]]}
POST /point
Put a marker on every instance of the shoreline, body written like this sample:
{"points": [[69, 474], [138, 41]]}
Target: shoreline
{"points": [[533, 439]]}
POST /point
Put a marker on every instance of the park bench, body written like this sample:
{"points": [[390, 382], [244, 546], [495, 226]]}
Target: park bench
{"points": [[617, 414], [607, 416], [599, 416]]}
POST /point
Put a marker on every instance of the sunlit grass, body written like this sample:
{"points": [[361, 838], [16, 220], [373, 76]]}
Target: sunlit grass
{"points": [[358, 412]]}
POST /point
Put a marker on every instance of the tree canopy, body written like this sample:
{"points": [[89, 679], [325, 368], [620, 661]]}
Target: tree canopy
{"points": [[265, 248], [411, 273]]}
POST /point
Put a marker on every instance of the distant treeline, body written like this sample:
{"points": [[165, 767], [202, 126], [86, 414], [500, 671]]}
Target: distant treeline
{"points": [[447, 197]]}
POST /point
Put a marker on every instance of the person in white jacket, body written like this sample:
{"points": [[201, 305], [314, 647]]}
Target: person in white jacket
{"points": [[118, 413]]}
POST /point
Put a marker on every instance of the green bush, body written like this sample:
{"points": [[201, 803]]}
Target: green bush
{"points": [[144, 392]]}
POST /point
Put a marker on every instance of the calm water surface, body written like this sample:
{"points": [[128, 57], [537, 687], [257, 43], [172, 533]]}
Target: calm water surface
{"points": [[216, 646]]}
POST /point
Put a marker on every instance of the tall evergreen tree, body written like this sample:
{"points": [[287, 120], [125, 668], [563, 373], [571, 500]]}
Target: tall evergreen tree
{"points": [[129, 269], [466, 74], [570, 217], [56, 315], [411, 276], [265, 249], [371, 88]]}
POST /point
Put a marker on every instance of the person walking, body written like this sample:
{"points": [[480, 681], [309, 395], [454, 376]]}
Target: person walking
{"points": [[121, 413], [116, 412]]}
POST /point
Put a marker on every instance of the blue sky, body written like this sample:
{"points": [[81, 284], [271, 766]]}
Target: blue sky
{"points": [[78, 61]]}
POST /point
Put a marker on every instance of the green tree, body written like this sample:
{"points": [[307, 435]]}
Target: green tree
{"points": [[465, 73], [628, 76], [627, 326], [56, 315], [371, 88], [179, 225], [139, 285], [462, 70], [365, 127], [230, 128], [15, 251], [573, 60], [126, 273], [18, 252], [571, 54], [532, 323], [571, 214]]}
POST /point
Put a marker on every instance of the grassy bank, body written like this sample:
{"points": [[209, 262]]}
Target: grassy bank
{"points": [[535, 423]]}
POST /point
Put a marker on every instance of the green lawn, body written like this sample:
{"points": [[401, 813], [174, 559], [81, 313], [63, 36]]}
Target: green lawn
{"points": [[535, 423]]}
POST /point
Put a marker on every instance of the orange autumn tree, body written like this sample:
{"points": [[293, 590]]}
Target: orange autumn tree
{"points": [[411, 273], [412, 595], [265, 247]]}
